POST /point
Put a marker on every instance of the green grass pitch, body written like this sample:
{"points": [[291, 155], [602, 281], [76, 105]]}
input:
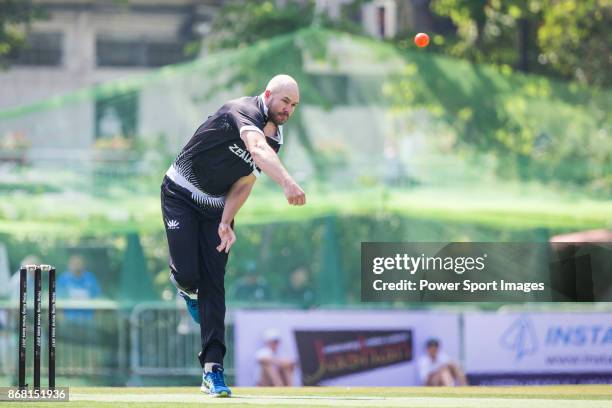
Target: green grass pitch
{"points": [[595, 396]]}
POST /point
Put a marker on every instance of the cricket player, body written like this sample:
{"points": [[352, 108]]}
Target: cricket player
{"points": [[203, 191]]}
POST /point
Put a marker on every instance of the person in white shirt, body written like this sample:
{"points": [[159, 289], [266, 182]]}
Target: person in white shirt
{"points": [[274, 371], [437, 369]]}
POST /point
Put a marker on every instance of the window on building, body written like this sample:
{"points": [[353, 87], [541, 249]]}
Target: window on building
{"points": [[117, 116], [40, 49], [160, 54], [137, 53], [111, 53], [381, 21]]}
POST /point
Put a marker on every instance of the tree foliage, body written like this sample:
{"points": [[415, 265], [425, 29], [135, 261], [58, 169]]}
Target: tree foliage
{"points": [[532, 127], [15, 17], [575, 38], [241, 23], [566, 38]]}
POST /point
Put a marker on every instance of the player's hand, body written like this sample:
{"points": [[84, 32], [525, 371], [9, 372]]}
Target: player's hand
{"points": [[228, 237], [294, 194]]}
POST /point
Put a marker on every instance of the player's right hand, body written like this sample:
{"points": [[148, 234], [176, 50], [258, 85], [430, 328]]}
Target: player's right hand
{"points": [[227, 237], [294, 194]]}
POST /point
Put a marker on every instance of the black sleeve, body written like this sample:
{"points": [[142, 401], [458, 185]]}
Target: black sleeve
{"points": [[245, 117]]}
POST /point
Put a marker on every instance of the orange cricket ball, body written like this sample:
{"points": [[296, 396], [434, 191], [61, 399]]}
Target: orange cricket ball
{"points": [[421, 40]]}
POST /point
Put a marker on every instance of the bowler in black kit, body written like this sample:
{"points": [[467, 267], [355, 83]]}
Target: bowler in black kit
{"points": [[203, 191]]}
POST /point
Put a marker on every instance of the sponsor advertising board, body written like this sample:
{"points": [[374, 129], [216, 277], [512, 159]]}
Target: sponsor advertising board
{"points": [[538, 348], [349, 348]]}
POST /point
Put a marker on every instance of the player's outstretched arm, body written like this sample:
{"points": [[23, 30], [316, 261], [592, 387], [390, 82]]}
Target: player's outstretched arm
{"points": [[235, 198], [267, 160]]}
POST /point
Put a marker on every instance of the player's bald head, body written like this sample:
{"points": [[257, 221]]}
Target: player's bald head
{"points": [[283, 82], [282, 96]]}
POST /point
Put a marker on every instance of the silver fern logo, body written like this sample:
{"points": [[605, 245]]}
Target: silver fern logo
{"points": [[172, 224]]}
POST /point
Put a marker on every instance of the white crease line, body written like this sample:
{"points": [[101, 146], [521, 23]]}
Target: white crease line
{"points": [[332, 401]]}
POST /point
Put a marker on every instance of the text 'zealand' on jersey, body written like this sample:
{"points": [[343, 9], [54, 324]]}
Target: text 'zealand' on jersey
{"points": [[244, 155]]}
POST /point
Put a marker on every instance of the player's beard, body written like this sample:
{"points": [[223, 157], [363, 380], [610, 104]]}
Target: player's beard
{"points": [[279, 118]]}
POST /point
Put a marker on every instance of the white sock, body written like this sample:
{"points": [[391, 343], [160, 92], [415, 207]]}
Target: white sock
{"points": [[208, 367]]}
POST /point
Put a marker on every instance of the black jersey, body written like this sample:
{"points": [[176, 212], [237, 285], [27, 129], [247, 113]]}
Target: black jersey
{"points": [[216, 157]]}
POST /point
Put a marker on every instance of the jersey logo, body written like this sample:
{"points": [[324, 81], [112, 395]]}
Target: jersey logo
{"points": [[243, 154], [172, 224]]}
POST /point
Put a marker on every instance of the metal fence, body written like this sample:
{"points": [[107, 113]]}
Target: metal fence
{"points": [[88, 341], [163, 340], [107, 342]]}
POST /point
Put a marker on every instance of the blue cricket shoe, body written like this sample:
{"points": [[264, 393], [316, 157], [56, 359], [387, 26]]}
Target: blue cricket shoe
{"points": [[193, 306], [213, 383]]}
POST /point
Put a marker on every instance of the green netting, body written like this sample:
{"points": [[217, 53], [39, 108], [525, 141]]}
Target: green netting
{"points": [[370, 115], [440, 148]]}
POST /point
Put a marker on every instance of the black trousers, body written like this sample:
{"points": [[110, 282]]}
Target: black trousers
{"points": [[195, 263]]}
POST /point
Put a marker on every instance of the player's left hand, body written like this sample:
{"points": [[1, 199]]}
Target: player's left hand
{"points": [[228, 237]]}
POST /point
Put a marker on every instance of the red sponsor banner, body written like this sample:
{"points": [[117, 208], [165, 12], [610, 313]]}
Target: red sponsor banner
{"points": [[334, 353]]}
